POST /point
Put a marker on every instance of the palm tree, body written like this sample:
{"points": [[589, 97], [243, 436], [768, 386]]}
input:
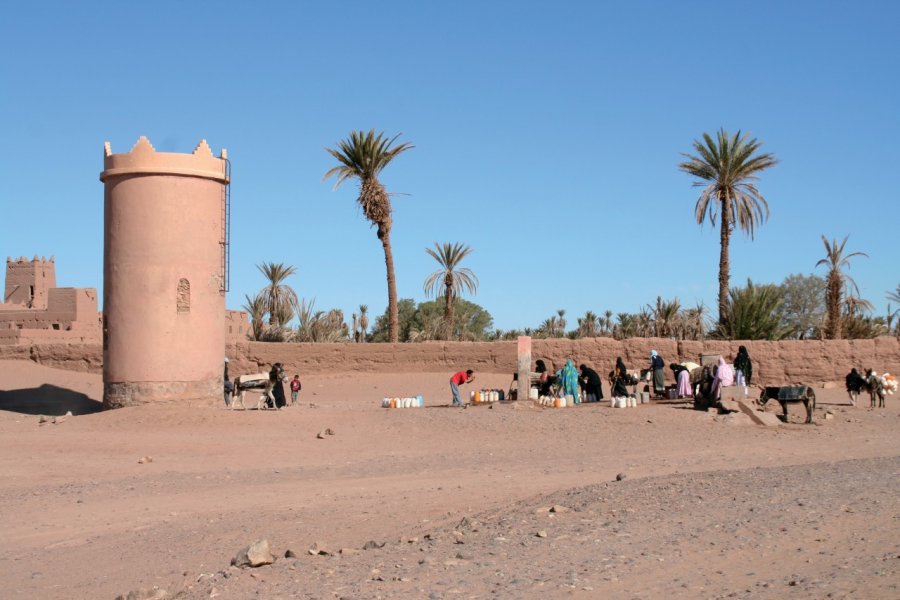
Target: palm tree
{"points": [[561, 321], [665, 316], [727, 170], [753, 313], [835, 261], [607, 315], [452, 278], [892, 314], [587, 325], [280, 298], [256, 308], [363, 156], [363, 322]]}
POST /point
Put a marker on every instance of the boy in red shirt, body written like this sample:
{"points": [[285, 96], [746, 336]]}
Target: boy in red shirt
{"points": [[457, 380], [295, 389]]}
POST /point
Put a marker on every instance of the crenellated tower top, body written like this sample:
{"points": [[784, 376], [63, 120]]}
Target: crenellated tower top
{"points": [[143, 159]]}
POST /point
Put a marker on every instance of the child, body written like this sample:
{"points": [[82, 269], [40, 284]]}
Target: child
{"points": [[295, 389]]}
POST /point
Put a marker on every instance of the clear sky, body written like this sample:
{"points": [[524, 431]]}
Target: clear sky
{"points": [[547, 136]]}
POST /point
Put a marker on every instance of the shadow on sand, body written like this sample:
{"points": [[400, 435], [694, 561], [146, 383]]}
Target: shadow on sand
{"points": [[48, 400]]}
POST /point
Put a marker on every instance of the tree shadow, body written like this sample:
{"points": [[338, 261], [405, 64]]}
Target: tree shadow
{"points": [[48, 400]]}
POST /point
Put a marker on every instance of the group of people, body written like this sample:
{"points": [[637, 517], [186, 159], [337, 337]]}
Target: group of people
{"points": [[275, 388], [712, 380], [582, 384]]}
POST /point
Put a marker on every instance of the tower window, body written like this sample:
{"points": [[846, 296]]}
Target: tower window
{"points": [[183, 296]]}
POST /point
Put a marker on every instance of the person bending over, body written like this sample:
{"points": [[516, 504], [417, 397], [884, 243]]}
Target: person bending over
{"points": [[459, 378]]}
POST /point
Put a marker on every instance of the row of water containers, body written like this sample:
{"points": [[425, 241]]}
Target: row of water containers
{"points": [[623, 402], [553, 402], [485, 396], [410, 402]]}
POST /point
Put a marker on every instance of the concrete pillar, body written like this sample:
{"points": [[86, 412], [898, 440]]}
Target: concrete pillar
{"points": [[163, 275], [523, 366]]}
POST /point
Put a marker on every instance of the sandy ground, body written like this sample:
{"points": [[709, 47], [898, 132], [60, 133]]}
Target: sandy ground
{"points": [[709, 508]]}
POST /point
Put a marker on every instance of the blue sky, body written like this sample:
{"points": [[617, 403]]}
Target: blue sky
{"points": [[547, 136]]}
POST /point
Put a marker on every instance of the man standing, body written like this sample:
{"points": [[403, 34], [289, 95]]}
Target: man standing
{"points": [[457, 380]]}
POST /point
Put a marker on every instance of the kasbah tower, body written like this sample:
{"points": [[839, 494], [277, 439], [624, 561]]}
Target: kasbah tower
{"points": [[165, 274]]}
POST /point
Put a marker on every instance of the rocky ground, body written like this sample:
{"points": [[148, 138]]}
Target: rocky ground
{"points": [[99, 504]]}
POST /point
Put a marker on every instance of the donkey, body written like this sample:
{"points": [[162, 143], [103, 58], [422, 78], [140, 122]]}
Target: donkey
{"points": [[876, 389], [785, 394], [262, 384]]}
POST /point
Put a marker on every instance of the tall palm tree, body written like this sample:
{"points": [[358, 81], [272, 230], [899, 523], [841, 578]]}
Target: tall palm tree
{"points": [[607, 315], [362, 156], [363, 322], [280, 298], [835, 261], [727, 168], [451, 278]]}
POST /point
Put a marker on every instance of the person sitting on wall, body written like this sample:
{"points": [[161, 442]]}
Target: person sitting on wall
{"points": [[724, 378]]}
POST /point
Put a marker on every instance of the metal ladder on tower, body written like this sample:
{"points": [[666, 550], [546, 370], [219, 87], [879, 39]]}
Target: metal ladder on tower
{"points": [[225, 281]]}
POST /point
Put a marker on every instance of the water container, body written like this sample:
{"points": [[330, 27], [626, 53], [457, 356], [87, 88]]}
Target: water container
{"points": [[612, 402], [569, 400], [533, 394], [420, 401]]}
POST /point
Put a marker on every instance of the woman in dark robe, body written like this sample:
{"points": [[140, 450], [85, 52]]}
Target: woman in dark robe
{"points": [[743, 367], [276, 376], [619, 379], [855, 384], [591, 384]]}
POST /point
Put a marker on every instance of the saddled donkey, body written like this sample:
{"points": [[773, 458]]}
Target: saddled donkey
{"points": [[263, 383], [876, 389], [792, 393], [258, 383]]}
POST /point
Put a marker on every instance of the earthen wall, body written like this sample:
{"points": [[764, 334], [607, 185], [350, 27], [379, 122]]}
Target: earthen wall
{"points": [[775, 363]]}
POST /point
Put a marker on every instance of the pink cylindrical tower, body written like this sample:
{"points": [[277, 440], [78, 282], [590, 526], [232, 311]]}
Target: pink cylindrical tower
{"points": [[164, 275]]}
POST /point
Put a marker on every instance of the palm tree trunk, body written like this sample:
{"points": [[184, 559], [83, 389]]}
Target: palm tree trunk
{"points": [[833, 326], [724, 267], [384, 234], [448, 310]]}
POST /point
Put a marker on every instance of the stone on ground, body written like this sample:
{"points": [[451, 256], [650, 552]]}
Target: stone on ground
{"points": [[256, 554]]}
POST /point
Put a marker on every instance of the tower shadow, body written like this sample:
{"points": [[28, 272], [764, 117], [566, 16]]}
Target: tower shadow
{"points": [[48, 400]]}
